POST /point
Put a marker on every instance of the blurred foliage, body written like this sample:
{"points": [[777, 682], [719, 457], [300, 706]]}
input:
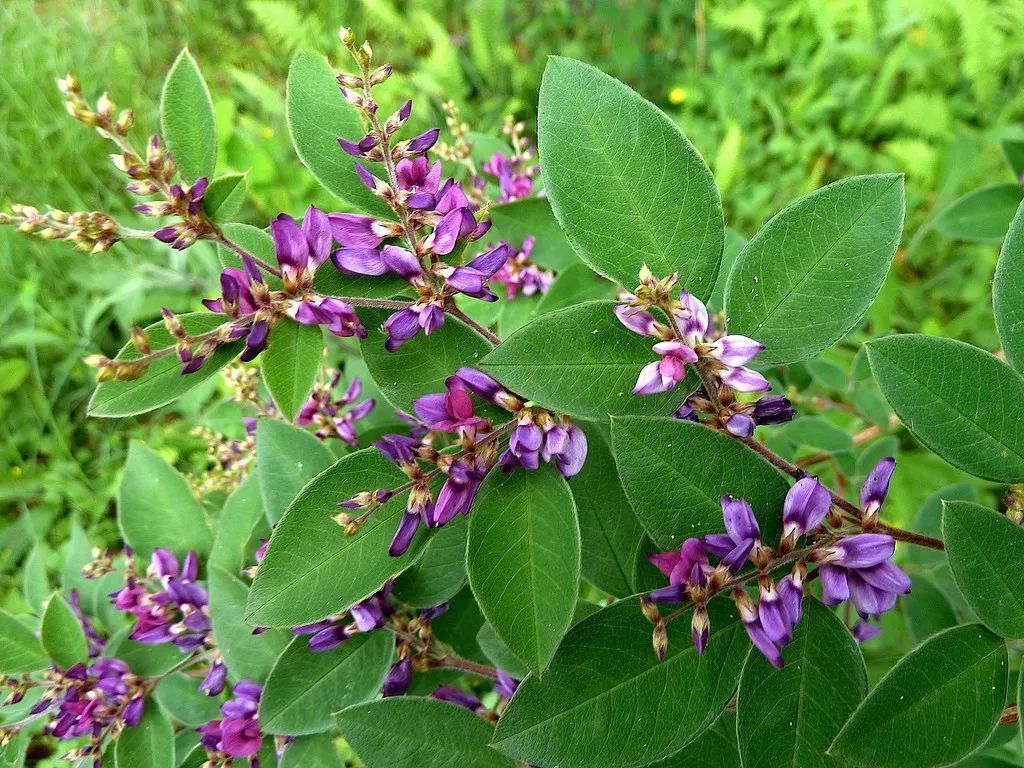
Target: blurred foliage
{"points": [[781, 96]]}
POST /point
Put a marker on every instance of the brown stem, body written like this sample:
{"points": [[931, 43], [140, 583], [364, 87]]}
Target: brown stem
{"points": [[456, 312], [852, 509], [357, 301], [224, 240], [442, 659]]}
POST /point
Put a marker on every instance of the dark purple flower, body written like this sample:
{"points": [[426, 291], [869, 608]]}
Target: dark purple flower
{"points": [[471, 279], [451, 411], [215, 679], [301, 251], [398, 679], [751, 619], [334, 417], [353, 230], [742, 538], [453, 227], [459, 490], [420, 179], [859, 568], [773, 409], [335, 315], [684, 567], [238, 733]]}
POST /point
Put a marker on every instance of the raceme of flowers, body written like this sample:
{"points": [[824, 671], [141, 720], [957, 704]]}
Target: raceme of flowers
{"points": [[534, 435], [852, 566]]}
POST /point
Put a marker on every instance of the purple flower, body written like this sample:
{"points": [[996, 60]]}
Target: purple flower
{"points": [[353, 230], [453, 227], [742, 538], [506, 685], [406, 323], [335, 315], [859, 568], [876, 486], [459, 490], [359, 260], [637, 320], [805, 507], [456, 696], [398, 679], [773, 409], [215, 679], [334, 417], [751, 619], [514, 182], [365, 616], [687, 566], [663, 375], [451, 411], [521, 276], [178, 613], [740, 425], [419, 180], [238, 733], [301, 251], [471, 279], [862, 631]]}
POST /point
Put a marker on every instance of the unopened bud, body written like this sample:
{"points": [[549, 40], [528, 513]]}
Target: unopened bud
{"points": [[125, 121], [650, 610], [701, 628], [660, 640], [380, 74], [346, 36], [140, 340]]}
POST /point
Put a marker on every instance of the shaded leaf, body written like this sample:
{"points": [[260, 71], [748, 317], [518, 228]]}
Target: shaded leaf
{"points": [[981, 215]]}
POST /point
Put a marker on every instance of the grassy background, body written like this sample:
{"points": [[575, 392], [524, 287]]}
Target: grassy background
{"points": [[781, 96]]}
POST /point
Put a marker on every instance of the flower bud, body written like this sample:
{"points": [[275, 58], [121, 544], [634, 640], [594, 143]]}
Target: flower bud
{"points": [[660, 640]]}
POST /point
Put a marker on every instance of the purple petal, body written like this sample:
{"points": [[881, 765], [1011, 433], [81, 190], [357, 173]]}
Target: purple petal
{"points": [[864, 550], [806, 505], [876, 487], [834, 585], [403, 263], [736, 350], [359, 261], [746, 380]]}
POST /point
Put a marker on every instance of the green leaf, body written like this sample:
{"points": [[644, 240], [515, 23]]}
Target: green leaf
{"points": [[935, 386], [316, 751], [937, 705], [523, 558], [163, 382], [150, 744], [290, 364], [806, 279], [532, 217], [982, 215], [312, 569], [715, 748], [61, 634], [186, 119], [675, 473], [20, 651], [441, 570], [143, 660], [429, 734], [224, 196], [421, 364], [817, 432], [240, 527], [35, 583], [156, 508], [625, 184], [985, 551], [581, 361], [604, 673], [609, 529], [180, 697], [498, 653], [305, 688], [287, 458], [317, 115], [799, 709], [1007, 291], [247, 655], [1014, 152], [927, 609]]}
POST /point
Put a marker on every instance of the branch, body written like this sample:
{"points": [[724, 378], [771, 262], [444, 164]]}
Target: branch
{"points": [[456, 312]]}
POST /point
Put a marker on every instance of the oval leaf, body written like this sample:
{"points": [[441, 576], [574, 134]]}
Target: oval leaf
{"points": [[163, 382], [985, 551], [20, 650], [936, 706], [581, 361], [186, 119], [61, 634], [156, 508], [429, 734], [317, 751], [312, 569], [1008, 293], [800, 708], [981, 215], [247, 655], [806, 279], [181, 699], [224, 196], [305, 688], [675, 473], [150, 744], [624, 182], [286, 459], [291, 363], [609, 530], [603, 673], [523, 559], [421, 364], [715, 748], [240, 528], [317, 116], [935, 386]]}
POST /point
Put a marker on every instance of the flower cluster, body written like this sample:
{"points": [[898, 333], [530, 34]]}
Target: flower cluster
{"points": [[513, 173], [366, 616], [237, 734], [96, 701], [535, 435], [856, 567], [177, 612], [689, 338], [332, 417], [521, 276]]}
